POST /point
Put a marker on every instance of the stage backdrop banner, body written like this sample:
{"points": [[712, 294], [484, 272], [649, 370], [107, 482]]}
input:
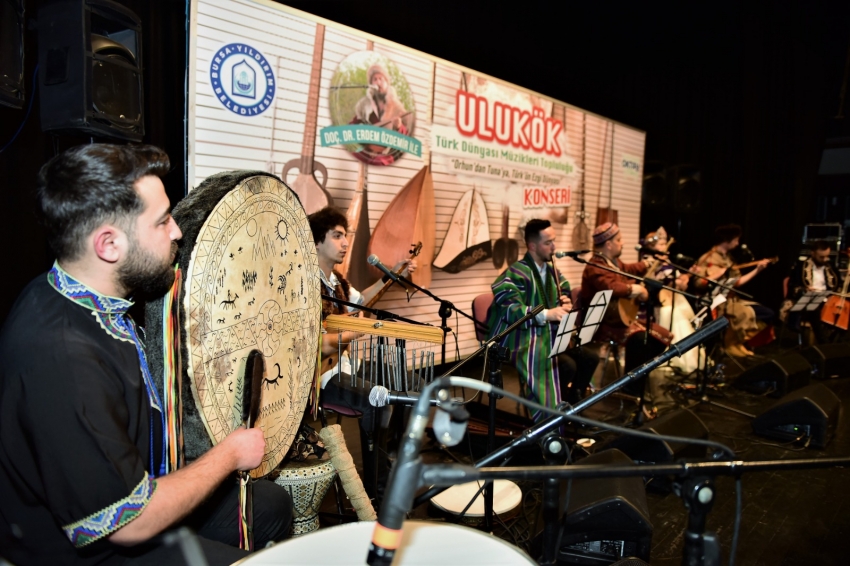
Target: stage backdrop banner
{"points": [[453, 157]]}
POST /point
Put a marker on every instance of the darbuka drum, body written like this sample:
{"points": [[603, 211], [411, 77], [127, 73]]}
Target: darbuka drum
{"points": [[506, 499], [307, 483], [422, 544], [251, 281]]}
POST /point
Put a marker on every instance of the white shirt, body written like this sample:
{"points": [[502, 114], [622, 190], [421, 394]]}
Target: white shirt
{"points": [[819, 278], [354, 296]]}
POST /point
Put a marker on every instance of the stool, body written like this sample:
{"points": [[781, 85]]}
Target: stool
{"points": [[307, 483]]}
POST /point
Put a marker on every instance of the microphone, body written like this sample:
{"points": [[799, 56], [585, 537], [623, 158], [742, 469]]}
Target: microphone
{"points": [[682, 258], [380, 396], [373, 260], [647, 250], [572, 254]]}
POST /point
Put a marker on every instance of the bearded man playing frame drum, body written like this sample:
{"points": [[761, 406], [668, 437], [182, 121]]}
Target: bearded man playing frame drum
{"points": [[82, 442]]}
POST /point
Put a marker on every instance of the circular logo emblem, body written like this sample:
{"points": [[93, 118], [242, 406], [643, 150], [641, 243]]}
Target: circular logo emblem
{"points": [[242, 80]]}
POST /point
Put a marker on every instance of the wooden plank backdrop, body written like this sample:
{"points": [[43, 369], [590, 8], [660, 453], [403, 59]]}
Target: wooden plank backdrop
{"points": [[220, 140]]}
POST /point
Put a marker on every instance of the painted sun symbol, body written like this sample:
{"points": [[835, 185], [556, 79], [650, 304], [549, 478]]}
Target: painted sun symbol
{"points": [[282, 230]]}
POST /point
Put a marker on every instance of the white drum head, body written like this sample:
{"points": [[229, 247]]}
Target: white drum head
{"points": [[506, 497], [422, 544]]}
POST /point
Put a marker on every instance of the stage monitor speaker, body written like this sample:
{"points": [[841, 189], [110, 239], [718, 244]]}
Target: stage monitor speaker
{"points": [[607, 519], [778, 376], [829, 360], [811, 412], [682, 422], [12, 88], [90, 69]]}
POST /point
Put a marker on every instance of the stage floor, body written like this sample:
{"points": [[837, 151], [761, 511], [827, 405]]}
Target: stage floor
{"points": [[789, 518]]}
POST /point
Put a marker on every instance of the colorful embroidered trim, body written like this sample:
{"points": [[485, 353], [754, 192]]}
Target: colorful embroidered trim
{"points": [[111, 314], [109, 520]]}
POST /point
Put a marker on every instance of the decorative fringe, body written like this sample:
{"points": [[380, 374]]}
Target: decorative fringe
{"points": [[246, 512], [351, 482], [173, 370], [317, 381]]}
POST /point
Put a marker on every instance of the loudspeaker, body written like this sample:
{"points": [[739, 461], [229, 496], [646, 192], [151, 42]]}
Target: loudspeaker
{"points": [[829, 360], [808, 412], [12, 53], [682, 422], [90, 69], [607, 519], [780, 375]]}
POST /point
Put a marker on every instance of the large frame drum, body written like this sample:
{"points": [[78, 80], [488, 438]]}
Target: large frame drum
{"points": [[251, 281]]}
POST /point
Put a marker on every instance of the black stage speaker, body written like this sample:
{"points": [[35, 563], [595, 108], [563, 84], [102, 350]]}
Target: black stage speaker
{"points": [[607, 519], [808, 412], [829, 360], [90, 69], [12, 53], [676, 423], [780, 375]]}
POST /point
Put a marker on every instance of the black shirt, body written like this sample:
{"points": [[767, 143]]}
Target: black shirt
{"points": [[76, 425]]}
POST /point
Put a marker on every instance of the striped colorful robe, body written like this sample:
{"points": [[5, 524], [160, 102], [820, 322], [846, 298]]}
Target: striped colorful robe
{"points": [[518, 290]]}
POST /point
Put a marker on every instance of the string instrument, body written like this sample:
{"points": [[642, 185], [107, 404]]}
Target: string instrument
{"points": [[414, 251], [717, 271], [836, 309], [629, 308]]}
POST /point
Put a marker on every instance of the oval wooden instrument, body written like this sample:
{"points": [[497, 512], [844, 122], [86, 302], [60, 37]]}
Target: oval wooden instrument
{"points": [[836, 309]]}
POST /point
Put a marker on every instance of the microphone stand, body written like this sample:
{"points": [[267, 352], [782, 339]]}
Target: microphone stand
{"points": [[694, 484], [532, 435], [706, 279], [407, 475], [653, 287], [379, 313], [445, 312]]}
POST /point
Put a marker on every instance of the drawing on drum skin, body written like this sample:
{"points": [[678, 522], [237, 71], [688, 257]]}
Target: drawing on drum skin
{"points": [[229, 303], [230, 386], [251, 302], [238, 316], [221, 276], [220, 321], [231, 256], [271, 276], [282, 278], [293, 296], [240, 249], [283, 231], [249, 279], [267, 382]]}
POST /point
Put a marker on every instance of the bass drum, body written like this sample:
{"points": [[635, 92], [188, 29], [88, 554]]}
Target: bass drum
{"points": [[250, 282]]}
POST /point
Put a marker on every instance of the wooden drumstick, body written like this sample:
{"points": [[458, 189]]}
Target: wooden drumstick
{"points": [[252, 384]]}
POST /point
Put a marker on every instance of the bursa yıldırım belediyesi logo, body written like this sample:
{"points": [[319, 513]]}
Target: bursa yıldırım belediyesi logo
{"points": [[242, 79]]}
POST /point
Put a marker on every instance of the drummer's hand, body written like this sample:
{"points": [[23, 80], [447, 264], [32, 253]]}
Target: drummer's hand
{"points": [[565, 302], [556, 314], [246, 447]]}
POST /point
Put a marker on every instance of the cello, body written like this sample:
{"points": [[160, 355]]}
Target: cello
{"points": [[836, 310]]}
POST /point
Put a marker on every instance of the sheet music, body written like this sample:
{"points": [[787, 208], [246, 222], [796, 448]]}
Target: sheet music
{"points": [[593, 318], [565, 332]]}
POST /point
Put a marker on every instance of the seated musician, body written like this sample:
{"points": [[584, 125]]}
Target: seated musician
{"points": [[746, 318], [329, 227], [526, 284], [607, 249], [814, 274], [673, 312], [83, 440]]}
